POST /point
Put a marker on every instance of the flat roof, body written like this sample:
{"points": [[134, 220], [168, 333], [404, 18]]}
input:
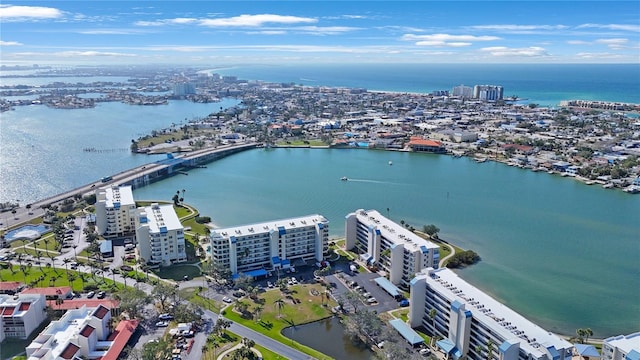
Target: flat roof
{"points": [[122, 195], [388, 286], [162, 218], [268, 226], [407, 332], [625, 343], [493, 314], [394, 232]]}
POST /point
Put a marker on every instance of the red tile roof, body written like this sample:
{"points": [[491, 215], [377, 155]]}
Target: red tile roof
{"points": [[8, 311], [120, 337], [70, 351], [9, 286], [100, 312], [69, 304], [424, 142], [87, 330]]}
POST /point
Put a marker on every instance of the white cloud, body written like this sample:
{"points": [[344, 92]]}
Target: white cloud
{"points": [[599, 56], [9, 43], [623, 27], [577, 42], [255, 20], [91, 54], [443, 44], [268, 32], [615, 44], [325, 30], [513, 27], [447, 37], [9, 12], [111, 32], [182, 20], [532, 51]]}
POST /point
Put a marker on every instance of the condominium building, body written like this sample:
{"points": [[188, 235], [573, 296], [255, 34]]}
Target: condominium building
{"points": [[114, 211], [474, 325], [159, 235], [488, 92], [462, 91], [20, 314], [390, 246], [271, 245], [83, 333], [621, 347]]}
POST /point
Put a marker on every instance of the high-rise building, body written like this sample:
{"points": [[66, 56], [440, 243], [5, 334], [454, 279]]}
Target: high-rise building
{"points": [[488, 92], [253, 249], [473, 325], [20, 314], [114, 211], [462, 91], [621, 347], [183, 88], [389, 246], [159, 235]]}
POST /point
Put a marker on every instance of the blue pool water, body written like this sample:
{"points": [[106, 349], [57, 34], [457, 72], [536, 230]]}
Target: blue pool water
{"points": [[26, 232]]}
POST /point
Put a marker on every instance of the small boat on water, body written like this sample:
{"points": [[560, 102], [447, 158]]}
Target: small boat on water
{"points": [[390, 162], [632, 189], [481, 160], [344, 178]]}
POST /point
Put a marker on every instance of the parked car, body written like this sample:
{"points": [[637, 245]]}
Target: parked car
{"points": [[91, 294], [227, 300], [162, 324], [165, 317], [101, 295], [403, 302], [372, 300], [269, 284]]}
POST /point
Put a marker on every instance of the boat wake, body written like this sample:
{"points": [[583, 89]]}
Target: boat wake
{"points": [[371, 181]]}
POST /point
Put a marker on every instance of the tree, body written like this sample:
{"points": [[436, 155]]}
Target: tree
{"points": [[163, 292], [157, 349], [279, 304], [221, 325], [431, 230], [257, 311], [587, 332], [432, 316], [132, 301], [489, 349], [175, 199]]}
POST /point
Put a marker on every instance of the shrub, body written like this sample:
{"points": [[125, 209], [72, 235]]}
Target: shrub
{"points": [[203, 219]]}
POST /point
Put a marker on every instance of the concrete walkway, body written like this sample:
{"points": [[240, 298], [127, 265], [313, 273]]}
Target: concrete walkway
{"points": [[238, 346]]}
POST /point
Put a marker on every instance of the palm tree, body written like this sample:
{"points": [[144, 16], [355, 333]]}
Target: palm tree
{"points": [[432, 316], [489, 349], [580, 332], [75, 256], [46, 245], [257, 311], [279, 303], [479, 350], [182, 199], [587, 332]]}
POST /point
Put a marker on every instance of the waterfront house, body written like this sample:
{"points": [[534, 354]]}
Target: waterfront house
{"points": [[418, 144]]}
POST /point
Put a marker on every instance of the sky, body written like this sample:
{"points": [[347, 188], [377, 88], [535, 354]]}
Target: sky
{"points": [[263, 32]]}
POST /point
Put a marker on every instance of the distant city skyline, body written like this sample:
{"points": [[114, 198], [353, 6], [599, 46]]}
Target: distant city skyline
{"points": [[219, 33]]}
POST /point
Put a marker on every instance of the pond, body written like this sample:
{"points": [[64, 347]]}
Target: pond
{"points": [[328, 337]]}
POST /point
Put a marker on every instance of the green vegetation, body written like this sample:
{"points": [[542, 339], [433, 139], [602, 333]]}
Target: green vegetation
{"points": [[41, 275], [278, 310], [178, 271], [464, 258]]}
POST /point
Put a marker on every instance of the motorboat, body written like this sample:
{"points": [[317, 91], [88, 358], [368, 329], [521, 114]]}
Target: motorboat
{"points": [[344, 178]]}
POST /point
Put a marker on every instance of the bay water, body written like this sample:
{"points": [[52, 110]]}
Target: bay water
{"points": [[561, 253]]}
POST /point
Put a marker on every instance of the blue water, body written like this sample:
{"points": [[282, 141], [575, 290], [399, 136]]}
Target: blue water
{"points": [[544, 84]]}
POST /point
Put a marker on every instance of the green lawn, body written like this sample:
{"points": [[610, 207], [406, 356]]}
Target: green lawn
{"points": [[46, 276], [300, 307], [177, 272]]}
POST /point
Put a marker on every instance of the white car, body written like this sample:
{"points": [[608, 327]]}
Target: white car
{"points": [[372, 300], [165, 317], [227, 300], [162, 324]]}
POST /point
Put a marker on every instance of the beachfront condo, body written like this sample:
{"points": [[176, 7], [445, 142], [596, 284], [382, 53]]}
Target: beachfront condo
{"points": [[471, 324], [621, 347], [255, 249], [114, 211], [20, 314], [159, 235], [388, 246]]}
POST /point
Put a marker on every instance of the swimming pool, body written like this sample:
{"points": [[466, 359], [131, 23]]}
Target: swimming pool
{"points": [[26, 232]]}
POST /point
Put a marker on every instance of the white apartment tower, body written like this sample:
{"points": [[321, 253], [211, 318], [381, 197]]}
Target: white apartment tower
{"points": [[114, 211], [270, 245], [467, 320], [389, 246], [462, 91], [159, 235], [621, 347], [488, 92], [20, 314]]}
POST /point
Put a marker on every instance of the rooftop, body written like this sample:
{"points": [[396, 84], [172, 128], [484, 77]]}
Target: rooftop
{"points": [[117, 196], [499, 318], [625, 343], [162, 218], [275, 225], [395, 232]]}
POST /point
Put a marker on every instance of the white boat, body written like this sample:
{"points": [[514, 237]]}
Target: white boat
{"points": [[390, 162], [344, 178], [607, 185], [632, 189]]}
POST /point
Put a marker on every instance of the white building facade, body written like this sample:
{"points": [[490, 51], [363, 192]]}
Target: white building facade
{"points": [[391, 247], [159, 235], [621, 347], [115, 210], [462, 91], [80, 333], [471, 323], [20, 314], [270, 245], [488, 92]]}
